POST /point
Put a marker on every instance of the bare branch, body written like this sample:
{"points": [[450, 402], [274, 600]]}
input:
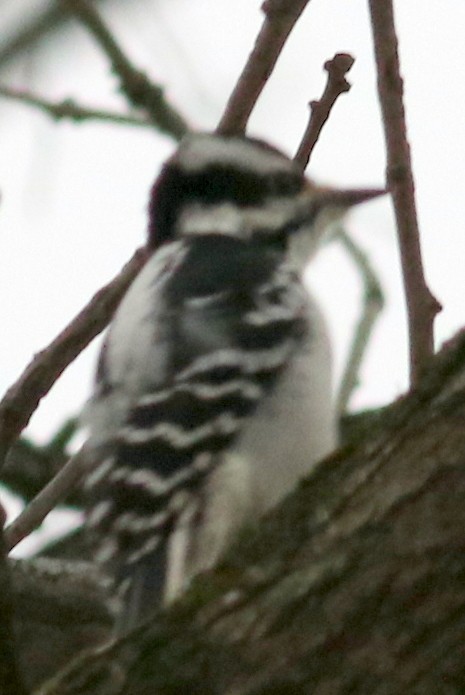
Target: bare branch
{"points": [[280, 18], [34, 27], [47, 499], [337, 68], [23, 397], [336, 84], [373, 303], [422, 307], [135, 84], [68, 109]]}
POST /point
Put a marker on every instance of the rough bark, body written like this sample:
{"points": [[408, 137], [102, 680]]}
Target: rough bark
{"points": [[59, 611], [355, 584]]}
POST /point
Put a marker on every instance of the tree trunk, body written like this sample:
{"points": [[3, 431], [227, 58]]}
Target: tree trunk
{"points": [[356, 584]]}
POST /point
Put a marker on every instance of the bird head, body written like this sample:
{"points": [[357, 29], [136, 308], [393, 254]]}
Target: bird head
{"points": [[246, 189]]}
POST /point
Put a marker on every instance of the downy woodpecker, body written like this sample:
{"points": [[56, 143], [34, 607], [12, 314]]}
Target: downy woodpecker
{"points": [[213, 393]]}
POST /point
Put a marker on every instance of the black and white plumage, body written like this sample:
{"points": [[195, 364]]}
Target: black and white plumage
{"points": [[213, 393]]}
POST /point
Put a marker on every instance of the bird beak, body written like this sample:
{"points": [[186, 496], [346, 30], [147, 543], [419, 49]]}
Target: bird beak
{"points": [[317, 209], [343, 198]]}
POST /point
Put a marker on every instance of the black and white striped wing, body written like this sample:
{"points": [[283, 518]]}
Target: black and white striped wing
{"points": [[229, 340]]}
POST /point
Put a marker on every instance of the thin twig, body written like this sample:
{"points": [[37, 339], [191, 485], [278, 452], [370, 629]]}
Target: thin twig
{"points": [[21, 399], [336, 84], [373, 303], [68, 109], [280, 18], [135, 84], [320, 109], [47, 499], [422, 307]]}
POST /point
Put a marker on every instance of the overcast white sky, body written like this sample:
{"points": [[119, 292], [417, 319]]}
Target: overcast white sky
{"points": [[74, 196]]}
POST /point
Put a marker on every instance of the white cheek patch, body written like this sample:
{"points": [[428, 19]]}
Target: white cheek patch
{"points": [[211, 219], [231, 220], [272, 216]]}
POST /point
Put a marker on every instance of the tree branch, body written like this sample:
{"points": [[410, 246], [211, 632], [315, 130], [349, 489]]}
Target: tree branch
{"points": [[68, 109], [422, 307], [21, 399], [336, 84], [33, 28], [30, 466], [280, 18], [135, 84], [47, 499], [373, 303], [60, 609]]}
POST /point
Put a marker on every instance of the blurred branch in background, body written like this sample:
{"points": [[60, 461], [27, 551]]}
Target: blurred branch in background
{"points": [[69, 110], [29, 30], [30, 26], [29, 467], [140, 91], [372, 305], [135, 85]]}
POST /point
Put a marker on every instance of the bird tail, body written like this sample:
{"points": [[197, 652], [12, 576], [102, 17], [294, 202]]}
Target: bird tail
{"points": [[141, 594]]}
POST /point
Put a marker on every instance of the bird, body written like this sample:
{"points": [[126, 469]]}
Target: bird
{"points": [[213, 391]]}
